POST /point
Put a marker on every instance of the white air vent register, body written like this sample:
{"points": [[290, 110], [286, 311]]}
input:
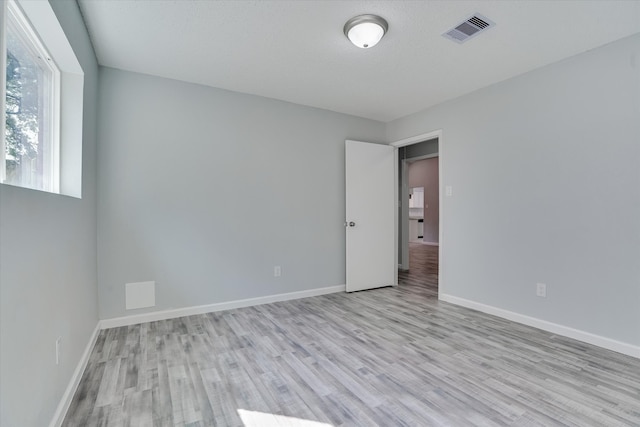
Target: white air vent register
{"points": [[469, 28]]}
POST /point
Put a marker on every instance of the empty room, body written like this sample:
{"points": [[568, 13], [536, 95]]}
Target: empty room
{"points": [[320, 213]]}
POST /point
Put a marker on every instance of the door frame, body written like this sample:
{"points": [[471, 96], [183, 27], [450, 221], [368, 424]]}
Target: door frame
{"points": [[441, 152]]}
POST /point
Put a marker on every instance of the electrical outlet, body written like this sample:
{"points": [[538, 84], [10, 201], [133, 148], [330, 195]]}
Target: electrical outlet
{"points": [[541, 290], [277, 271], [58, 345]]}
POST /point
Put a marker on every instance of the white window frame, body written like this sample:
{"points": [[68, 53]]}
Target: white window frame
{"points": [[68, 113], [51, 182]]}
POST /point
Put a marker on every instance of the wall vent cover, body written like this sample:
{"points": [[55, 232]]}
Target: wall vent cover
{"points": [[469, 28]]}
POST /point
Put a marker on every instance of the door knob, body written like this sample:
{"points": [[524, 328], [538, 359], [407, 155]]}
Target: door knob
{"points": [[351, 224]]}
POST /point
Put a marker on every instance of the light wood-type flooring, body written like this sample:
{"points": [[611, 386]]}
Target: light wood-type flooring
{"points": [[386, 357]]}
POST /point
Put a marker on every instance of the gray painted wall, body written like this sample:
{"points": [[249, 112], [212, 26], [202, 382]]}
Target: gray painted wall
{"points": [[205, 190], [48, 285], [545, 170], [424, 173]]}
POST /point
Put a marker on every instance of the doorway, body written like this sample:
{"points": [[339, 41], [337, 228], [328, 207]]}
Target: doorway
{"points": [[419, 209]]}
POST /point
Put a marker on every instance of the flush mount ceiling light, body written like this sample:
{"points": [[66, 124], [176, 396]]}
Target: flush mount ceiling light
{"points": [[365, 31]]}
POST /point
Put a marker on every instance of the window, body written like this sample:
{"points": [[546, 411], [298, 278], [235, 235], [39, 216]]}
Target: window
{"points": [[42, 100], [31, 151]]}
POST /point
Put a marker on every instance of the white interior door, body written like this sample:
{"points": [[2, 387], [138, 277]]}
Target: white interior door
{"points": [[370, 216]]}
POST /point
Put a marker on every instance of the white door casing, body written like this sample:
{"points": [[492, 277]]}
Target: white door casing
{"points": [[371, 211]]}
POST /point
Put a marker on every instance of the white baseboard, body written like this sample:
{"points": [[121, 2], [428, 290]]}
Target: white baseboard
{"points": [[600, 341], [425, 243], [65, 402], [209, 308]]}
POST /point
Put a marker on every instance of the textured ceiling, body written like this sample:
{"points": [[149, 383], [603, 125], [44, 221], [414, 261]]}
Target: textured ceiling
{"points": [[296, 50]]}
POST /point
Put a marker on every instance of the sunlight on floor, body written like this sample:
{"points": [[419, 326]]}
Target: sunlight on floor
{"points": [[262, 419]]}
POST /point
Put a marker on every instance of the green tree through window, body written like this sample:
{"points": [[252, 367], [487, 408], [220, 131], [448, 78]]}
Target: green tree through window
{"points": [[21, 131]]}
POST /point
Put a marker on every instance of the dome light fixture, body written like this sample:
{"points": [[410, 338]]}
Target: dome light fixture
{"points": [[365, 31]]}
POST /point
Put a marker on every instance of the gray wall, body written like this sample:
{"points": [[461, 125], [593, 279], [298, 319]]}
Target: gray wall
{"points": [[48, 285], [545, 170], [424, 173], [205, 190]]}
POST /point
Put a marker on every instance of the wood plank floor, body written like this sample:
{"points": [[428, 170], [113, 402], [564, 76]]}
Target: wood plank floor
{"points": [[387, 357]]}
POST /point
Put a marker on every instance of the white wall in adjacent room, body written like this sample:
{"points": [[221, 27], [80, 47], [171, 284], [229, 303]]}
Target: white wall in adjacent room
{"points": [[424, 173]]}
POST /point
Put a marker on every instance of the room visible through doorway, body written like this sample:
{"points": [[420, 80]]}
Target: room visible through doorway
{"points": [[419, 225]]}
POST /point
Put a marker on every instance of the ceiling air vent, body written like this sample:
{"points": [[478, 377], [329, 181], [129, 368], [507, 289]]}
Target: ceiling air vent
{"points": [[469, 28]]}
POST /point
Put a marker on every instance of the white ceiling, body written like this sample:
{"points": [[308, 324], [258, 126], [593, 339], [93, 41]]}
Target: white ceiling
{"points": [[296, 50]]}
